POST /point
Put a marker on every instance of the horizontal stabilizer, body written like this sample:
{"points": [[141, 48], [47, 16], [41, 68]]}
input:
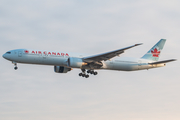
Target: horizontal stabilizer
{"points": [[161, 62]]}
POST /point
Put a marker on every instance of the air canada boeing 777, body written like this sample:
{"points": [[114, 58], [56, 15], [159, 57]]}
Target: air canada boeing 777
{"points": [[63, 62]]}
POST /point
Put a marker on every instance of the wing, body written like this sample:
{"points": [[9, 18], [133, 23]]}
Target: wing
{"points": [[164, 61], [107, 55]]}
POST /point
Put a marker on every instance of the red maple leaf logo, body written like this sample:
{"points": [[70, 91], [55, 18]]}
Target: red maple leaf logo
{"points": [[155, 53], [26, 51]]}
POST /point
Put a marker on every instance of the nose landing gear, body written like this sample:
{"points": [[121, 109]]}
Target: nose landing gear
{"points": [[84, 74], [15, 65]]}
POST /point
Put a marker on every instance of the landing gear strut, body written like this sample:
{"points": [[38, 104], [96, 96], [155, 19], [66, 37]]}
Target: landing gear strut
{"points": [[84, 74], [15, 65]]}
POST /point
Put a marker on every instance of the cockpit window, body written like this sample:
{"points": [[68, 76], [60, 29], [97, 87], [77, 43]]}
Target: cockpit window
{"points": [[8, 53]]}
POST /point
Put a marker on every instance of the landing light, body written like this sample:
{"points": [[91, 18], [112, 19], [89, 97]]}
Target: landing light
{"points": [[84, 63]]}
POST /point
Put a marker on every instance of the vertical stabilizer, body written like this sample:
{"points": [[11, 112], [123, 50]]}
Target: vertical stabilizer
{"points": [[155, 51]]}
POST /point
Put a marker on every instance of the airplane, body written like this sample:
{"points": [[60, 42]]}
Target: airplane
{"points": [[63, 62]]}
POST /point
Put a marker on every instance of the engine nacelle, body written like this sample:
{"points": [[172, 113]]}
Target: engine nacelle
{"points": [[76, 62], [61, 69]]}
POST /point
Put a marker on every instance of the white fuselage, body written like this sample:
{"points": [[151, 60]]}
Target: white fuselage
{"points": [[60, 59]]}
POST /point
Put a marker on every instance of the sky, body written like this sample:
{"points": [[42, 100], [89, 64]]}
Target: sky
{"points": [[92, 27]]}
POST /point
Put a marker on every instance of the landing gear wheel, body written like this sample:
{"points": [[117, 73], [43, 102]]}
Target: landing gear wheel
{"points": [[83, 75], [80, 74], [95, 73], [86, 76], [91, 72], [15, 68]]}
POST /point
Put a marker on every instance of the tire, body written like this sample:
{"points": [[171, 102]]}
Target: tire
{"points": [[87, 76], [95, 73], [80, 74], [15, 68]]}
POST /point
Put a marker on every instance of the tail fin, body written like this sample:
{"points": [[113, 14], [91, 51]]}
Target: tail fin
{"points": [[154, 52]]}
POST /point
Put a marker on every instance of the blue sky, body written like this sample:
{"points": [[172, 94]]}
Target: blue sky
{"points": [[96, 26]]}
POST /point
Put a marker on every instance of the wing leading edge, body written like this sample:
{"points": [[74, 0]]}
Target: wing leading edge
{"points": [[107, 55]]}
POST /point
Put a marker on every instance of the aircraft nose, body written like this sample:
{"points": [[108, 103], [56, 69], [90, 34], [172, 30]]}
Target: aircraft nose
{"points": [[3, 55]]}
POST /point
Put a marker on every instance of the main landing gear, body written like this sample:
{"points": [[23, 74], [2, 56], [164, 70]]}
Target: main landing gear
{"points": [[84, 74], [15, 65], [92, 72]]}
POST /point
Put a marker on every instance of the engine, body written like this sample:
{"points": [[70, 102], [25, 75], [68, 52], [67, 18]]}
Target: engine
{"points": [[61, 69], [76, 62]]}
